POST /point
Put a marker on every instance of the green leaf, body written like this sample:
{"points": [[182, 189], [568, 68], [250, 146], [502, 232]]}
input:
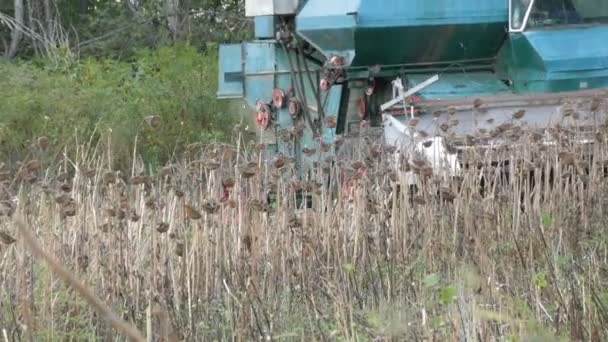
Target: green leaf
{"points": [[446, 296], [374, 319], [547, 219], [348, 268], [436, 322], [540, 280], [431, 280]]}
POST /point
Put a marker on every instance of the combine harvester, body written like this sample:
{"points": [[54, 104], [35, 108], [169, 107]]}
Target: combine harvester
{"points": [[418, 73]]}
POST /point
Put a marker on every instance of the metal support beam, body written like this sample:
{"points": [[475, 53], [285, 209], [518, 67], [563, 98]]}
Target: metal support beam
{"points": [[410, 92]]}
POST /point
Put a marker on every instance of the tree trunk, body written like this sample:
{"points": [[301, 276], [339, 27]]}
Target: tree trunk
{"points": [[31, 22], [17, 33], [186, 22], [172, 12], [48, 18], [4, 46]]}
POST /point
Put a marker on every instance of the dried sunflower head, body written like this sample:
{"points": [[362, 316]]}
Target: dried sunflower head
{"points": [[192, 213], [211, 207]]}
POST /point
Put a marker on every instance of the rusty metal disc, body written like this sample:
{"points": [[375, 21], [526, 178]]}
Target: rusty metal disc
{"points": [[324, 84], [414, 99], [262, 115], [337, 61]]}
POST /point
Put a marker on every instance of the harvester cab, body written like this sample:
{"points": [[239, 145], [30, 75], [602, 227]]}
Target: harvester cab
{"points": [[426, 76]]}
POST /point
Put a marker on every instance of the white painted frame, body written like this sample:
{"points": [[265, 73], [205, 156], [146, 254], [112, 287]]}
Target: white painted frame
{"points": [[255, 8], [524, 25], [409, 93]]}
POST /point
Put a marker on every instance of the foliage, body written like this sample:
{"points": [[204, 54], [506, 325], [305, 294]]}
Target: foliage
{"points": [[118, 28], [110, 99]]}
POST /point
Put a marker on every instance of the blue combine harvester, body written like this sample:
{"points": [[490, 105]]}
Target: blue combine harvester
{"points": [[417, 72]]}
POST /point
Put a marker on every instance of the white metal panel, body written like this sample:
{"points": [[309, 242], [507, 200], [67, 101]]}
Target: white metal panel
{"points": [[254, 8], [285, 6]]}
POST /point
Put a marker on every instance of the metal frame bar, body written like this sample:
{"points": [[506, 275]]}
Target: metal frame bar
{"points": [[524, 24], [473, 61], [409, 93], [497, 100]]}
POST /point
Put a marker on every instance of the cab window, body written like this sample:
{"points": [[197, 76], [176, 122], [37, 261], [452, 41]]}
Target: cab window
{"points": [[519, 8], [547, 13]]}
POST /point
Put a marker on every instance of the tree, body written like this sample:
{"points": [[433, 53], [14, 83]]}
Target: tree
{"points": [[116, 28], [172, 12], [17, 30]]}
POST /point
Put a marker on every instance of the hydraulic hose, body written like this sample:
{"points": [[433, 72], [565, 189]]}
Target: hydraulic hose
{"points": [[300, 90]]}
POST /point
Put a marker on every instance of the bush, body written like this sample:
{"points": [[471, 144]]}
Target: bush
{"points": [[109, 100]]}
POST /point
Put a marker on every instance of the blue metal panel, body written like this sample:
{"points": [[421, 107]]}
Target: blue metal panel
{"points": [[572, 49], [329, 25], [260, 57], [332, 108], [323, 14], [453, 86], [326, 22], [258, 88], [264, 27], [282, 62], [231, 71], [387, 13], [357, 29], [328, 8], [259, 69], [266, 67]]}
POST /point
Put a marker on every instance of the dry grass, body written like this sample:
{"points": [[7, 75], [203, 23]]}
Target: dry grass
{"points": [[195, 251]]}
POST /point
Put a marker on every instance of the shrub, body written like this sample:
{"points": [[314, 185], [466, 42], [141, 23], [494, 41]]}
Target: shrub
{"points": [[109, 100]]}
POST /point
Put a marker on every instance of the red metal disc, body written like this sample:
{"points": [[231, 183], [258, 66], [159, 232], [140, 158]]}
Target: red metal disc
{"points": [[337, 61], [361, 107], [277, 98], [324, 84], [262, 115]]}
